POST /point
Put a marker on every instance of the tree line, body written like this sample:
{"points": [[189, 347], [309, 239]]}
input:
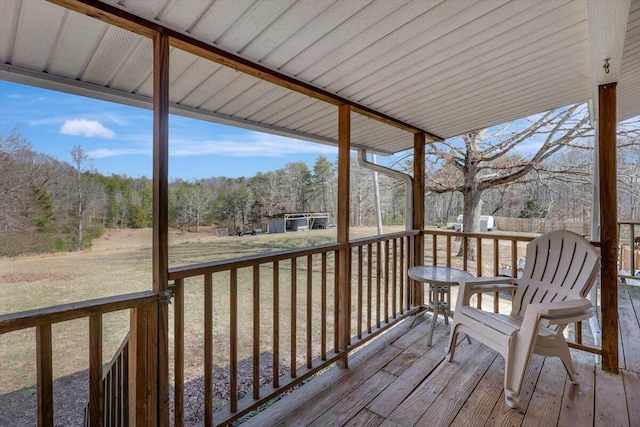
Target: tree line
{"points": [[50, 205]]}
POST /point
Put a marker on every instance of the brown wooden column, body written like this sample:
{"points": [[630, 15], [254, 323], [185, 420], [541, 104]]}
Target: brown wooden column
{"points": [[608, 224], [418, 205], [161, 223], [343, 262], [44, 369]]}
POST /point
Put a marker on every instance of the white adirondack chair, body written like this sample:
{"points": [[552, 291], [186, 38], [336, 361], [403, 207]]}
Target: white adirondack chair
{"points": [[560, 269]]}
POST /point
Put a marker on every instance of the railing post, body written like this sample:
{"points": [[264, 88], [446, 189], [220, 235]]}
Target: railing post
{"points": [[158, 374], [44, 361], [344, 261], [178, 354], [418, 207], [137, 363], [96, 387]]}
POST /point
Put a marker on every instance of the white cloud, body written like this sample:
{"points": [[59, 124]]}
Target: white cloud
{"points": [[250, 144], [88, 128], [104, 152]]}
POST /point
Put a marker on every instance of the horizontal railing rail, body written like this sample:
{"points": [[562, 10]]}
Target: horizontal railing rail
{"points": [[628, 251], [299, 285], [193, 270], [384, 237], [492, 262], [65, 312]]}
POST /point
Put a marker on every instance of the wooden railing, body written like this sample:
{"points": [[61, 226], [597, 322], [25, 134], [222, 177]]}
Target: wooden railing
{"points": [[300, 285], [500, 255], [297, 285], [379, 284], [43, 319], [115, 385], [628, 249]]}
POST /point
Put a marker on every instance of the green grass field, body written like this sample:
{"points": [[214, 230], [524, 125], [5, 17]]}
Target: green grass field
{"points": [[119, 263]]}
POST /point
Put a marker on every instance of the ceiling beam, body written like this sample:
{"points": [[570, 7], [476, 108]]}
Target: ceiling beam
{"points": [[128, 21], [62, 84]]}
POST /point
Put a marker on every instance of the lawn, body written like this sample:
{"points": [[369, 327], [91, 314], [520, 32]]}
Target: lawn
{"points": [[120, 262]]}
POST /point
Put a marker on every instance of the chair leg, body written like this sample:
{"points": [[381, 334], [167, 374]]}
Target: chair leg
{"points": [[451, 348], [516, 364], [564, 355], [511, 399], [511, 396]]}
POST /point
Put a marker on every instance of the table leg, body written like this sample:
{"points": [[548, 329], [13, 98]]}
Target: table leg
{"points": [[434, 319], [445, 306]]}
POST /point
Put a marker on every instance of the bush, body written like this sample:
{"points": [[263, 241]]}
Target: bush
{"points": [[399, 220]]}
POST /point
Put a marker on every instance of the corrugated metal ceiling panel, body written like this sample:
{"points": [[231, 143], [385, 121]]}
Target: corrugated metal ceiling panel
{"points": [[444, 66], [629, 95]]}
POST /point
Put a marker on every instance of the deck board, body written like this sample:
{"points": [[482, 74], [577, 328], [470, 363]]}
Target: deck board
{"points": [[631, 382], [448, 403], [399, 381], [415, 404], [629, 329], [544, 407], [477, 409], [610, 403], [385, 403], [502, 415], [577, 401], [365, 418]]}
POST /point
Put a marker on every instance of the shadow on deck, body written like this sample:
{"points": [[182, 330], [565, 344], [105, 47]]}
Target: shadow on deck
{"points": [[397, 380]]}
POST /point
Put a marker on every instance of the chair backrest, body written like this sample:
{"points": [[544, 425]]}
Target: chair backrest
{"points": [[559, 265]]}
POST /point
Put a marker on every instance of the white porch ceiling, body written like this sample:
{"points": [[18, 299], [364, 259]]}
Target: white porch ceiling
{"points": [[444, 66]]}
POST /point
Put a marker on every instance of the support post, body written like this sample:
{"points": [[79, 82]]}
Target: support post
{"points": [[158, 376], [344, 262], [96, 387], [137, 361], [44, 369], [418, 207], [608, 218]]}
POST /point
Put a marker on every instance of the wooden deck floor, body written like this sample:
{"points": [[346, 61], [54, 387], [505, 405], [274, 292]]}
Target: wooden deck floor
{"points": [[398, 380]]}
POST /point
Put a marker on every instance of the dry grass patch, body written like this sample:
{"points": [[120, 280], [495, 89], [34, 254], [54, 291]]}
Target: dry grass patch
{"points": [[119, 263]]}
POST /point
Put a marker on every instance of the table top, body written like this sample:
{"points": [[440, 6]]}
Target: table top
{"points": [[438, 275]]}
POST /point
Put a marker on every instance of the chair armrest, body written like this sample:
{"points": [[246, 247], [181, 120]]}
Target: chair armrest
{"points": [[563, 312], [484, 284]]}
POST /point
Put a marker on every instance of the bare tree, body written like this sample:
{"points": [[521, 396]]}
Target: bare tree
{"points": [[485, 159], [194, 204], [79, 158], [629, 182]]}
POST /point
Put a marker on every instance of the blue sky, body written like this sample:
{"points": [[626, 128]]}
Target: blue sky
{"points": [[118, 138]]}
